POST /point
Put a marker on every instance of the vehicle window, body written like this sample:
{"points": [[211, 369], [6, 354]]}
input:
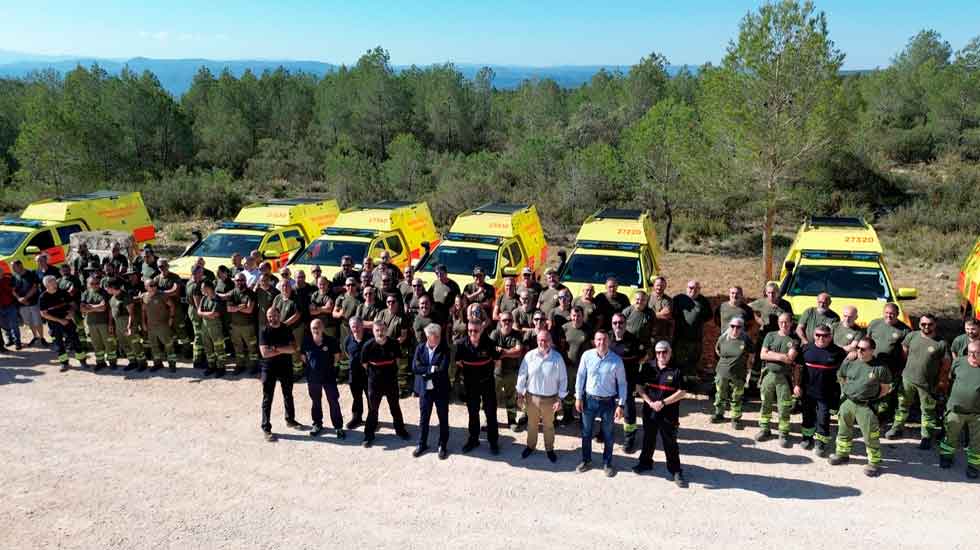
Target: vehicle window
{"points": [[515, 254], [846, 282], [10, 240], [43, 240], [648, 270], [394, 244], [461, 261], [65, 232], [225, 245], [508, 259], [274, 242], [292, 237], [329, 252], [584, 268], [376, 249]]}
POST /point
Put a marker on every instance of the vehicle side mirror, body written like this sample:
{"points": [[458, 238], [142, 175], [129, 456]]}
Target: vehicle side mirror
{"points": [[32, 250], [907, 294], [510, 272], [270, 255]]}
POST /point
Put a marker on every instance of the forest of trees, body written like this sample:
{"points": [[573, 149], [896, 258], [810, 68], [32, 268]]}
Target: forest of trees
{"points": [[773, 132]]}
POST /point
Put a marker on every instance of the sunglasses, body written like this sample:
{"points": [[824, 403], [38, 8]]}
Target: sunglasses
{"points": [[735, 326], [617, 322], [821, 335], [536, 319], [390, 302], [350, 284], [863, 348], [925, 324], [506, 320]]}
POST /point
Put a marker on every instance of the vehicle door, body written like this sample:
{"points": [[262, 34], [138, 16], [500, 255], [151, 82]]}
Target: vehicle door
{"points": [[42, 241], [274, 250], [64, 237], [648, 270], [395, 244]]}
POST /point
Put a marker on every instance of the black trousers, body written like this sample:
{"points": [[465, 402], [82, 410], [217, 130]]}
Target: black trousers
{"points": [[629, 411], [816, 418], [358, 391], [272, 373], [654, 423], [65, 339], [481, 391], [377, 391], [317, 388], [441, 404]]}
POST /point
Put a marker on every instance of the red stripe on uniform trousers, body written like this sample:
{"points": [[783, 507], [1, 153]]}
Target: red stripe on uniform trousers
{"points": [[819, 366], [382, 363], [659, 387], [476, 363]]}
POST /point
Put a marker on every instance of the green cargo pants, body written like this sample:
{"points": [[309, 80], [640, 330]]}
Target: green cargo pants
{"points": [[776, 391], [505, 380], [131, 346], [955, 422], [103, 345], [244, 341], [927, 404], [161, 341], [213, 339], [728, 392], [197, 344], [866, 419]]}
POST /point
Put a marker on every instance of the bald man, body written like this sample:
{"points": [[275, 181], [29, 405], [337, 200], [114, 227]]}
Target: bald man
{"points": [[812, 317]]}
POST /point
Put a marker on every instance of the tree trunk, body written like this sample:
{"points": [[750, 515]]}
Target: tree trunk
{"points": [[767, 231], [669, 214]]}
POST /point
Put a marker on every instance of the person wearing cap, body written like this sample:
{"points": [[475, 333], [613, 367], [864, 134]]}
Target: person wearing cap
{"points": [[159, 315], [95, 309], [779, 351], [430, 364], [508, 300], [542, 385], [610, 302], [600, 393], [691, 310], [660, 389], [443, 291], [548, 299], [530, 284], [123, 325], [475, 357], [479, 291], [244, 340], [734, 351], [194, 294]]}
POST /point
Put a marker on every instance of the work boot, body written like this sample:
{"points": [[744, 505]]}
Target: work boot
{"points": [[64, 366], [143, 366], [200, 363], [83, 363], [341, 434], [718, 418], [894, 433], [269, 436], [113, 365], [925, 444], [353, 423], [945, 461], [971, 471], [470, 445], [238, 369], [836, 459], [584, 466], [784, 441], [679, 480], [156, 366], [737, 424], [629, 443], [131, 365], [99, 365], [317, 430], [609, 470], [872, 470], [763, 435], [821, 449], [807, 443], [173, 366]]}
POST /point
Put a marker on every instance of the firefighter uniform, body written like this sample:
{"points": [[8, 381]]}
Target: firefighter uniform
{"points": [[97, 328], [381, 361], [775, 388], [733, 355], [860, 384], [631, 350], [963, 411], [659, 384]]}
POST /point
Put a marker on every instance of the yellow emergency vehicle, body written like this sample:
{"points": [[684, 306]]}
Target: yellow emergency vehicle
{"points": [[402, 228], [613, 242], [47, 225], [276, 228], [500, 238], [843, 257], [968, 282]]}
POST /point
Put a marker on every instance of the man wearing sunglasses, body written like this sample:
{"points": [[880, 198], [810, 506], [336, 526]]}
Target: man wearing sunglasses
{"points": [[963, 411], [862, 381], [818, 375], [927, 355]]}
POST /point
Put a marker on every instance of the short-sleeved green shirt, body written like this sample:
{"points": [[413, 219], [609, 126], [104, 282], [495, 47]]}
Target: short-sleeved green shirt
{"points": [[662, 328], [242, 297], [507, 342], [733, 354], [368, 312], [860, 381], [588, 309], [925, 358], [422, 321], [287, 308], [812, 318], [578, 340], [95, 298], [393, 323], [964, 395], [888, 340], [193, 291], [506, 303], [727, 312], [210, 305], [639, 323], [845, 335], [958, 347], [119, 305], [770, 313], [157, 312], [776, 342]]}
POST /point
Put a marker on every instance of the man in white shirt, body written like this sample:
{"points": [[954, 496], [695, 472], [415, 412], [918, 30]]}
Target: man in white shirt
{"points": [[542, 384]]}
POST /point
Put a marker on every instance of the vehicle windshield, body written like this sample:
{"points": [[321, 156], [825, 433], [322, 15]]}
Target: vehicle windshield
{"points": [[330, 252], [225, 245], [10, 240], [461, 260], [840, 281], [584, 268]]}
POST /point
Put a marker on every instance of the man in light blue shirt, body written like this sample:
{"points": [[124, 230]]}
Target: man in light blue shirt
{"points": [[541, 387], [600, 392]]}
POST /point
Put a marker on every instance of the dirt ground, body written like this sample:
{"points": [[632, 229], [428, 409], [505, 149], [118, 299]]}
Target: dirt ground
{"points": [[121, 460]]}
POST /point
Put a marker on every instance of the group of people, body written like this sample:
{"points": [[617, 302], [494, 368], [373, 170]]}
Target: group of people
{"points": [[543, 355]]}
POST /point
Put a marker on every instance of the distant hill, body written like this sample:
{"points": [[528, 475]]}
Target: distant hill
{"points": [[176, 75]]}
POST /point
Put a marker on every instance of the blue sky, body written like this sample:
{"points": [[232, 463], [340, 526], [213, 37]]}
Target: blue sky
{"points": [[511, 32]]}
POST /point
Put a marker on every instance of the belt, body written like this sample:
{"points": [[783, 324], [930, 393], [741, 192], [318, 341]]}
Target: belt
{"points": [[543, 396], [601, 397], [858, 402]]}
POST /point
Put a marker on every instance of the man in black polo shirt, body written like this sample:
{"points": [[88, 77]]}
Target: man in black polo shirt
{"points": [[276, 348], [380, 357], [632, 351], [475, 356], [57, 308], [818, 374], [320, 355], [660, 388]]}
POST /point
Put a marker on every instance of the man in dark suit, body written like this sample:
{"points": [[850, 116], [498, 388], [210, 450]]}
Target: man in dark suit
{"points": [[431, 367]]}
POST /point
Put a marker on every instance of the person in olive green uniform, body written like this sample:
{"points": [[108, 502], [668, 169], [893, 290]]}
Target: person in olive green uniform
{"points": [[846, 332], [691, 311], [576, 339], [479, 291], [963, 411], [561, 314], [95, 309], [224, 285], [766, 312], [292, 319], [209, 310], [734, 350], [397, 328], [72, 284], [241, 307], [507, 340], [663, 307], [927, 354], [813, 317], [159, 314], [609, 303], [889, 333], [125, 327], [587, 302], [971, 333], [194, 296], [172, 287], [507, 301], [862, 380], [639, 318], [369, 307], [530, 285], [734, 307], [779, 351], [443, 291]]}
